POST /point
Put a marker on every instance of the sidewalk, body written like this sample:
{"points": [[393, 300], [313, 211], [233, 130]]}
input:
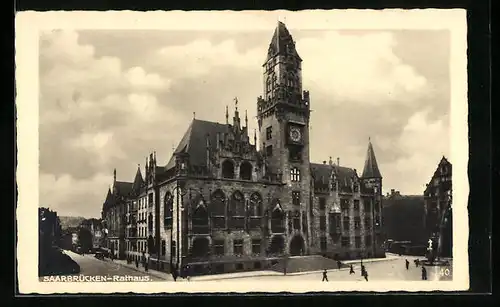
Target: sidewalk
{"points": [[355, 263], [168, 277]]}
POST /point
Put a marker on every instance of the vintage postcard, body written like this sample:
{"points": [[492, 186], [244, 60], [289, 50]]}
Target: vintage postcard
{"points": [[253, 151]]}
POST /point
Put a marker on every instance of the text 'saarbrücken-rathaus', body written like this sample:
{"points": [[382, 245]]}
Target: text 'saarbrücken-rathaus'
{"points": [[221, 205]]}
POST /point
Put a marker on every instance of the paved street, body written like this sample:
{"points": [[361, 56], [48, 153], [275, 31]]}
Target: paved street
{"points": [[90, 266], [392, 269]]}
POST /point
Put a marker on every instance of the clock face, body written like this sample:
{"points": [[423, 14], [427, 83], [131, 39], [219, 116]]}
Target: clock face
{"points": [[295, 134]]}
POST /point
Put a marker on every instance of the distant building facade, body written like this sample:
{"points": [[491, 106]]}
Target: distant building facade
{"points": [[94, 226], [220, 204], [438, 208], [404, 218]]}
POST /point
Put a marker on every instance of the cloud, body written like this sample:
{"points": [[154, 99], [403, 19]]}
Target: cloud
{"points": [[424, 142], [200, 57], [358, 68], [90, 107], [69, 67], [70, 196], [99, 112]]}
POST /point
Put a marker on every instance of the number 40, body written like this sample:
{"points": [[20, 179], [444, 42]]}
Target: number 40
{"points": [[445, 272]]}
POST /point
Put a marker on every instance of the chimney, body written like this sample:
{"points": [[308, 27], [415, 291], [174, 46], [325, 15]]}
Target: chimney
{"points": [[338, 161]]}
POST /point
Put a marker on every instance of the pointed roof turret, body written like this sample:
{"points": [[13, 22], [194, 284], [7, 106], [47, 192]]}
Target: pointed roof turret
{"points": [[138, 181], [371, 167], [108, 203], [282, 43]]}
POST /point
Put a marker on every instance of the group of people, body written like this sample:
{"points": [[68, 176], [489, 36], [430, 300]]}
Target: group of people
{"points": [[417, 263], [364, 272]]}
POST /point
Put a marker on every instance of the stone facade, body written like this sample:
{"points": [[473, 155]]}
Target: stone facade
{"points": [[223, 204], [438, 209]]}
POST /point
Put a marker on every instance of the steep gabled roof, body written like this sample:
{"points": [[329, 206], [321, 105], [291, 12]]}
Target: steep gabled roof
{"points": [[109, 201], [138, 181], [371, 167], [123, 188], [194, 141], [281, 43], [321, 173]]}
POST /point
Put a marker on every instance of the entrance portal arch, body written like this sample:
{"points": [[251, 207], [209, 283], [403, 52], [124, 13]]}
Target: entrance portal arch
{"points": [[297, 246]]}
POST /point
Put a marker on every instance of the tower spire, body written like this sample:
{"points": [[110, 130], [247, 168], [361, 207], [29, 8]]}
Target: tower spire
{"points": [[227, 115], [246, 119], [371, 169], [236, 119]]}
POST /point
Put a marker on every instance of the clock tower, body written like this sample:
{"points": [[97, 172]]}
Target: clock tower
{"points": [[283, 117]]}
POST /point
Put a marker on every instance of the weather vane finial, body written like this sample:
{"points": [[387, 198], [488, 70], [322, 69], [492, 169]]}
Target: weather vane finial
{"points": [[236, 103]]}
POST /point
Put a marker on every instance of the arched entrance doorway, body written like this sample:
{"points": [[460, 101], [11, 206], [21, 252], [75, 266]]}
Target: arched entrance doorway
{"points": [[297, 246], [277, 245]]}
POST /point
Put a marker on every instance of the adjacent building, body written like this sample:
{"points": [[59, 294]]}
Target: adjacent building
{"points": [[404, 217], [438, 209], [94, 226], [228, 201]]}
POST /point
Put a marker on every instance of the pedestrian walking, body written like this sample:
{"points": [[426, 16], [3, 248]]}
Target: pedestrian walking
{"points": [[424, 273], [146, 264], [339, 264], [363, 270], [366, 275], [325, 277], [407, 263], [417, 262], [352, 270], [136, 263]]}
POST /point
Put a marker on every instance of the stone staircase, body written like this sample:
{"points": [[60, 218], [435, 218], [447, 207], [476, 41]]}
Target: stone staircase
{"points": [[306, 264]]}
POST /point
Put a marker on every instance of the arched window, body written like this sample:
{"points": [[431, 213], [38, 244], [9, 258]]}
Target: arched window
{"points": [[295, 174], [246, 171], [168, 203], [255, 211], [237, 210], [200, 218], [228, 169], [218, 209], [268, 84], [278, 220]]}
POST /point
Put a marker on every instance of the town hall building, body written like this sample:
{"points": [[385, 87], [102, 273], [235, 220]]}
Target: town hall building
{"points": [[222, 203]]}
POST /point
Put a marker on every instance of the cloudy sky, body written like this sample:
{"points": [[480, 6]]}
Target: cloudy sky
{"points": [[110, 97]]}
